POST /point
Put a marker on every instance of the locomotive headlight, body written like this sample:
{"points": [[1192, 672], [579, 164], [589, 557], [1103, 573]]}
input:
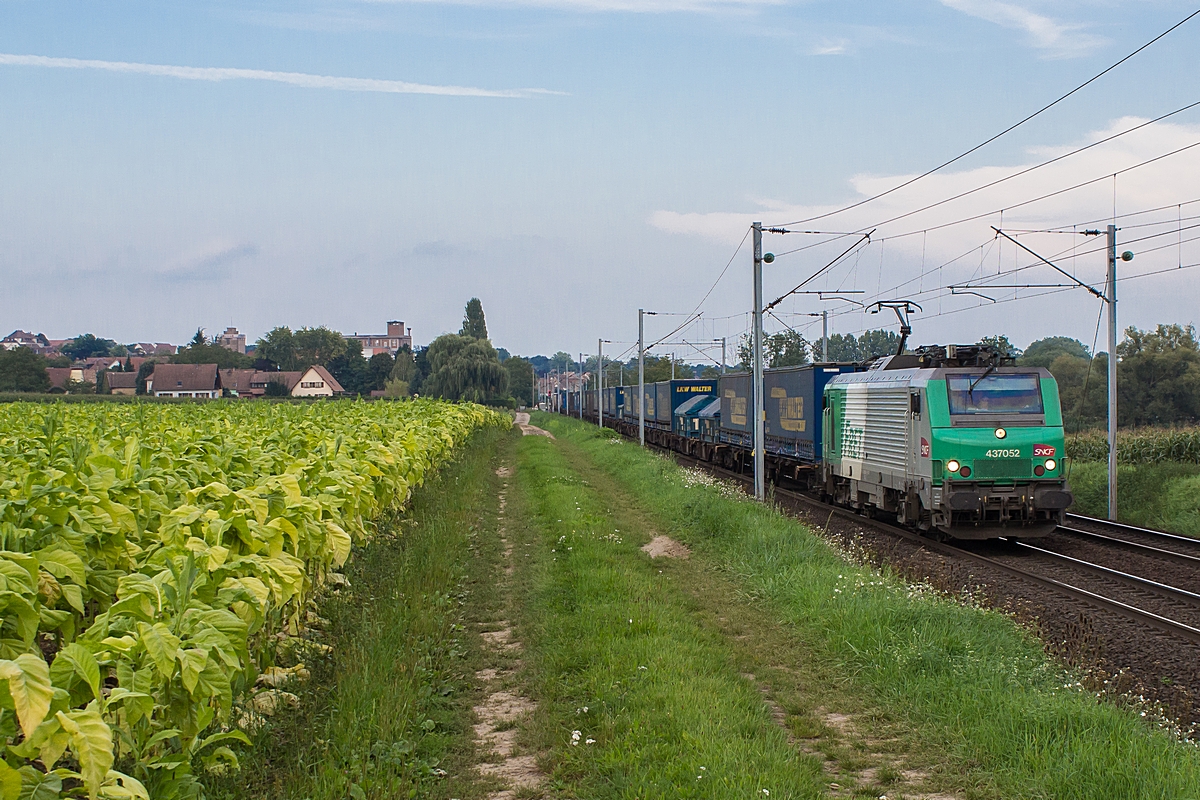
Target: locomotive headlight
{"points": [[1051, 464], [952, 465], [1001, 433]]}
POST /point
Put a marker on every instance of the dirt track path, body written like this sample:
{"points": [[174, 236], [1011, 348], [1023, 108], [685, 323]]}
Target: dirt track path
{"points": [[504, 707]]}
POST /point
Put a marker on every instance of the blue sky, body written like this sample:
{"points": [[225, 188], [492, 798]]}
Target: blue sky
{"points": [[167, 166]]}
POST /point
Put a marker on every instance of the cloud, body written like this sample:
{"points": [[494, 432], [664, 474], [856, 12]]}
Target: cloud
{"points": [[830, 47], [213, 262], [1058, 39], [1163, 183], [300, 79]]}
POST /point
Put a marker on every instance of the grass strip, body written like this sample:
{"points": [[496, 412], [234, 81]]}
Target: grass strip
{"points": [[387, 713], [969, 682], [637, 698], [1164, 495]]}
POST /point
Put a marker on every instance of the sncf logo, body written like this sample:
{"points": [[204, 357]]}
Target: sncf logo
{"points": [[1043, 450], [925, 448]]}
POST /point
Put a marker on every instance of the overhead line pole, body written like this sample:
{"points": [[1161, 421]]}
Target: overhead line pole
{"points": [[1109, 296], [756, 390], [1112, 372], [641, 378], [600, 381], [824, 336]]}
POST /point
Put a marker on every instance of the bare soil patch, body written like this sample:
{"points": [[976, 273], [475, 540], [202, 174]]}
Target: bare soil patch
{"points": [[666, 547], [521, 420]]}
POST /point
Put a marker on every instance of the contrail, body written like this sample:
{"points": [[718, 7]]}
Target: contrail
{"points": [[302, 79]]}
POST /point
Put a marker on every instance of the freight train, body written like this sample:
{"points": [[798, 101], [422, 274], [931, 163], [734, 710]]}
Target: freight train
{"points": [[954, 441]]}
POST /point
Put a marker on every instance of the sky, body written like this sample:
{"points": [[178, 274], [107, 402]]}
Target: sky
{"points": [[166, 167]]}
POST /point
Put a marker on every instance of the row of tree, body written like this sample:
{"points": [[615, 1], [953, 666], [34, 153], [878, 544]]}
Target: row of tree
{"points": [[1158, 377]]}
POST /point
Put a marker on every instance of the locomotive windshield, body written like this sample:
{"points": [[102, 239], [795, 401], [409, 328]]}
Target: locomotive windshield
{"points": [[997, 393]]}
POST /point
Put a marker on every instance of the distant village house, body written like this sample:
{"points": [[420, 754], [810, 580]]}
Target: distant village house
{"points": [[37, 342], [315, 381], [185, 380]]}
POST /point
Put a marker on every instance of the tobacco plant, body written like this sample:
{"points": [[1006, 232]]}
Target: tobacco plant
{"points": [[152, 559]]}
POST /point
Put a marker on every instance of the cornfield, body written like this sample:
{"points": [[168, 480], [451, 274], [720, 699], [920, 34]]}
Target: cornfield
{"points": [[155, 558], [1139, 446]]}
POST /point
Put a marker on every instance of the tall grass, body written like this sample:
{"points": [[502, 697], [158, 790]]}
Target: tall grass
{"points": [[387, 713], [975, 687], [638, 700]]}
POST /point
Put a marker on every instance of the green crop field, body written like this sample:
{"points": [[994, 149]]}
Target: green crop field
{"points": [[158, 560], [1138, 445]]}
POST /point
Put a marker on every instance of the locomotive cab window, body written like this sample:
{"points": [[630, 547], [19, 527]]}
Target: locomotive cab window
{"points": [[997, 393]]}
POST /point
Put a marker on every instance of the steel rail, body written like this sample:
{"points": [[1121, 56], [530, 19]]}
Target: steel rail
{"points": [[1191, 598], [1121, 526], [1182, 558]]}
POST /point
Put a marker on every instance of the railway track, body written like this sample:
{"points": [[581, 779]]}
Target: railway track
{"points": [[1157, 544], [1148, 602]]}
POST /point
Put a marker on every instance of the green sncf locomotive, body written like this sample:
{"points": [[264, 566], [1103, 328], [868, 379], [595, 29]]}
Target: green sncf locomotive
{"points": [[953, 440]]}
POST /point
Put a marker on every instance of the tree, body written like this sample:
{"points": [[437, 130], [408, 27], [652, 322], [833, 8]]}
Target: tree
{"points": [[563, 362], [421, 362], [1002, 345], [128, 364], [1082, 389], [405, 367], [843, 348], [473, 322], [278, 347], [87, 345], [877, 343], [379, 369], [145, 371], [1044, 352], [277, 388], [846, 348], [784, 349], [349, 368], [318, 345], [1159, 376], [102, 382], [520, 379], [395, 389], [22, 370], [202, 351], [466, 368], [503, 354]]}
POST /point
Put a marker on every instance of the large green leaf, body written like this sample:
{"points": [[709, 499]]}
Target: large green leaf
{"points": [[29, 685], [37, 785], [84, 664], [10, 783], [92, 744], [161, 645]]}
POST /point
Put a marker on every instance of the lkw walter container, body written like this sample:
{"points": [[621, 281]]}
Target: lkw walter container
{"points": [[793, 408], [681, 391], [736, 408]]}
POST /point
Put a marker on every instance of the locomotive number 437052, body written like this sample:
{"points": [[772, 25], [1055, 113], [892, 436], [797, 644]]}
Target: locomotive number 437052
{"points": [[1003, 453]]}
